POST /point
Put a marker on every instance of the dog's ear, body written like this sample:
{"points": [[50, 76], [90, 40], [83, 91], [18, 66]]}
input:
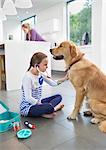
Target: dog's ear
{"points": [[73, 51], [76, 54]]}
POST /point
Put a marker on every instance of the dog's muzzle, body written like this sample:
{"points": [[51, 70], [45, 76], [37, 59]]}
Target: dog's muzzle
{"points": [[60, 57]]}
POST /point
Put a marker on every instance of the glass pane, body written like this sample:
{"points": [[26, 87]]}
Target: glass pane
{"points": [[79, 18]]}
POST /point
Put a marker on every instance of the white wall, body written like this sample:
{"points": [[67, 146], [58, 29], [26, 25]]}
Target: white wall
{"points": [[1, 31], [99, 33], [103, 36], [12, 27], [55, 12], [96, 30]]}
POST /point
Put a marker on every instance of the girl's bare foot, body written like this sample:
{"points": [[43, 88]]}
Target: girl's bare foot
{"points": [[59, 107]]}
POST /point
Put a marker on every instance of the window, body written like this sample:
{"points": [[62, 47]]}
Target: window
{"points": [[79, 21]]}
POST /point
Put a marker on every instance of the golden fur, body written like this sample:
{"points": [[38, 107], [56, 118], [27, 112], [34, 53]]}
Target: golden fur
{"points": [[87, 80]]}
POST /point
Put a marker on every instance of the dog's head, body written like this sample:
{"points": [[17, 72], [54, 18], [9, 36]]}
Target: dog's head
{"points": [[67, 51]]}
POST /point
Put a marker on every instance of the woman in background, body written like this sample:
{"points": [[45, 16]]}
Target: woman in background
{"points": [[31, 34]]}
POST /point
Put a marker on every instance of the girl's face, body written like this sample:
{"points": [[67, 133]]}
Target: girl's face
{"points": [[43, 65]]}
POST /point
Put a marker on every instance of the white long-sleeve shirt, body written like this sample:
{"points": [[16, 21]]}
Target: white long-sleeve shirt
{"points": [[32, 90]]}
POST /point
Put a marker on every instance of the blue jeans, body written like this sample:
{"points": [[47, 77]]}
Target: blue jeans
{"points": [[47, 106]]}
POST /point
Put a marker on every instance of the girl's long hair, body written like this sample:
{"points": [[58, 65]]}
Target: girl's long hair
{"points": [[36, 59]]}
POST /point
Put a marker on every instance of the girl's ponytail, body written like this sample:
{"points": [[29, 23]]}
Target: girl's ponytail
{"points": [[29, 67]]}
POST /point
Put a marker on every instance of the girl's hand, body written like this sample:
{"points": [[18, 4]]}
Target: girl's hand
{"points": [[63, 79], [66, 77]]}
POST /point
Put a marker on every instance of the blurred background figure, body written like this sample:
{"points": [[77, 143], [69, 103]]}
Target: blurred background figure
{"points": [[31, 34], [85, 38]]}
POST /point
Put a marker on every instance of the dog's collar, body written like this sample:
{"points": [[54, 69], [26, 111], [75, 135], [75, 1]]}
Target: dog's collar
{"points": [[74, 62]]}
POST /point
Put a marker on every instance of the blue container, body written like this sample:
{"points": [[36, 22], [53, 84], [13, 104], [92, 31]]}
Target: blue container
{"points": [[7, 118]]}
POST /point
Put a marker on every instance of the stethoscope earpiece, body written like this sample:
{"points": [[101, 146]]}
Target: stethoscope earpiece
{"points": [[36, 65]]}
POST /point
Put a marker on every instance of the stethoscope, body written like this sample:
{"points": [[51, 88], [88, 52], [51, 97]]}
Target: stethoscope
{"points": [[41, 77]]}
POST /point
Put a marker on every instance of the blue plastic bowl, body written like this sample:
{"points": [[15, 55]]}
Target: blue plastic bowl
{"points": [[24, 133]]}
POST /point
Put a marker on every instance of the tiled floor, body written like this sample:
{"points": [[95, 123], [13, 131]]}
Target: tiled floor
{"points": [[57, 133]]}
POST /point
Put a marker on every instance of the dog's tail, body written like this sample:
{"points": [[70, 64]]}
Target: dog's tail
{"points": [[102, 126]]}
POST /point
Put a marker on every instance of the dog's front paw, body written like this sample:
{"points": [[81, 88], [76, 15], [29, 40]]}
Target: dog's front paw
{"points": [[71, 117], [95, 120], [102, 126]]}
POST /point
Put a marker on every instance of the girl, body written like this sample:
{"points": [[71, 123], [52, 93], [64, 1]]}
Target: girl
{"points": [[31, 102]]}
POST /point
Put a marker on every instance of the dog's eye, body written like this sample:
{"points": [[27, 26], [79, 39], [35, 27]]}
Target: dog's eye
{"points": [[61, 46]]}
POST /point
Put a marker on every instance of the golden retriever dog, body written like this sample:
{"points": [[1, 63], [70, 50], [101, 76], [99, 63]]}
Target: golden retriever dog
{"points": [[87, 80]]}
